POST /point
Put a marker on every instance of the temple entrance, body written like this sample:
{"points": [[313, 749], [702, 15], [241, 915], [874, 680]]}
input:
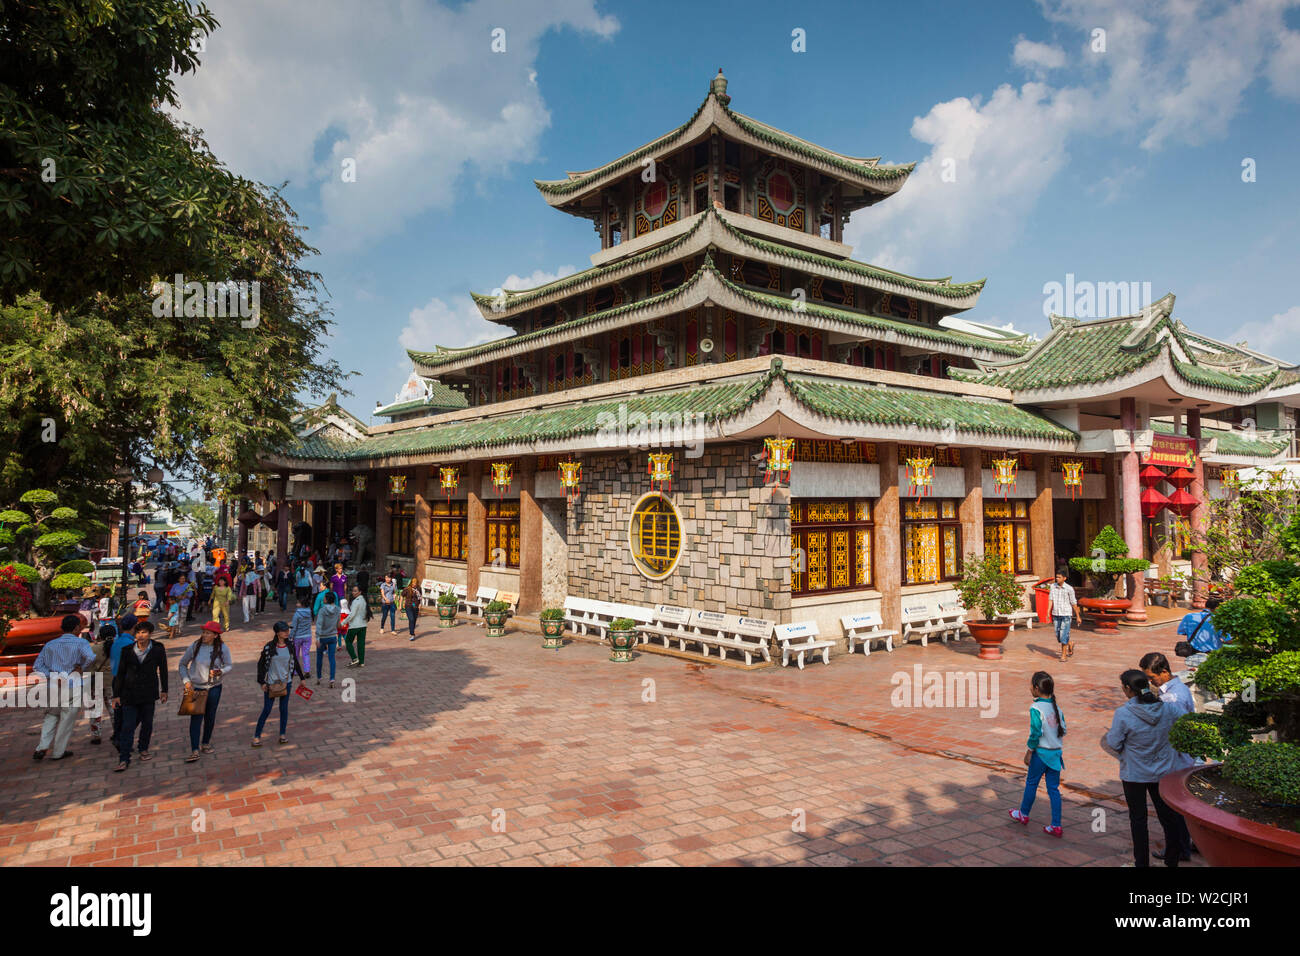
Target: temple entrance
{"points": [[1067, 529]]}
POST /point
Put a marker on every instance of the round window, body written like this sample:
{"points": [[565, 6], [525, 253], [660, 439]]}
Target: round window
{"points": [[655, 536], [655, 199]]}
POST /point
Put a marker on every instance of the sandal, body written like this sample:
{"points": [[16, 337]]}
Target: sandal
{"points": [[207, 749], [284, 740], [257, 741], [119, 768], [146, 755], [192, 757]]}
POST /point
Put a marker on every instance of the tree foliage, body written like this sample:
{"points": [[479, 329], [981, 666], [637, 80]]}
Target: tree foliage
{"points": [[1107, 560], [41, 540]]}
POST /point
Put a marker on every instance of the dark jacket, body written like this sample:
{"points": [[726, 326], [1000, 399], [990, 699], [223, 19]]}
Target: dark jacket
{"points": [[137, 681], [264, 661]]}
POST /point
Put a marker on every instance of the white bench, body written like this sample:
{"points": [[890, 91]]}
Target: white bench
{"points": [[924, 621], [430, 589], [581, 613], [475, 606], [584, 614], [953, 615], [799, 640], [744, 635], [1028, 617], [670, 621], [865, 628]]}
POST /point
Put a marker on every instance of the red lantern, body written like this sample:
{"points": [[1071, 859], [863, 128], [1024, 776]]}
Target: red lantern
{"points": [[1150, 476], [1181, 477], [1153, 502], [1182, 502]]}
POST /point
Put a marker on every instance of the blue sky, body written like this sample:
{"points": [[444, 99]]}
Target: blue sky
{"points": [[1114, 164]]}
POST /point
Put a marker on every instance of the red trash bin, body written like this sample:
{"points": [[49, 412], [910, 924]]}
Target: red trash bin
{"points": [[1040, 600]]}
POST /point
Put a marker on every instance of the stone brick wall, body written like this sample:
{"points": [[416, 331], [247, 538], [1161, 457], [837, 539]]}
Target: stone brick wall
{"points": [[736, 534]]}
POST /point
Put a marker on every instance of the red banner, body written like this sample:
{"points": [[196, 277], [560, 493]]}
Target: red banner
{"points": [[1171, 451]]}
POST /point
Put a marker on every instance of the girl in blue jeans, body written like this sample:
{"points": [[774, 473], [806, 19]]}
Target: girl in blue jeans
{"points": [[1043, 758], [276, 667]]}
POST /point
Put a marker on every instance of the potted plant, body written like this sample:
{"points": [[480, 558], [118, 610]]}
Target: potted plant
{"points": [[552, 619], [448, 604], [1107, 561], [495, 614], [986, 586], [1245, 811], [622, 638]]}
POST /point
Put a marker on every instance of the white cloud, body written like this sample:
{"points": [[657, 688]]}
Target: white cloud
{"points": [[1174, 71], [538, 277], [1275, 336], [412, 92], [457, 325]]}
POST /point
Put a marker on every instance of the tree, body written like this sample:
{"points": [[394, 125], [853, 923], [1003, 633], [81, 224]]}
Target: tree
{"points": [[15, 599], [1107, 561], [42, 536], [1249, 523], [202, 517]]}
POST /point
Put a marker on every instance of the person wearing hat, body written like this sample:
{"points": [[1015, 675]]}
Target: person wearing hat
{"points": [[275, 669], [203, 665]]}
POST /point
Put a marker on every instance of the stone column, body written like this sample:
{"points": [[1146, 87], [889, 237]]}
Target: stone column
{"points": [[475, 528], [1131, 492], [889, 546], [530, 539], [423, 519], [555, 553], [1200, 515], [971, 509], [377, 485], [243, 528], [282, 522], [1042, 531]]}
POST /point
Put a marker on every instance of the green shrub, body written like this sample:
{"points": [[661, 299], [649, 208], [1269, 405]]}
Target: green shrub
{"points": [[623, 624], [986, 586], [24, 571], [553, 614], [1232, 668], [448, 598], [496, 607], [1107, 559], [78, 566], [1270, 769], [69, 582], [1208, 736]]}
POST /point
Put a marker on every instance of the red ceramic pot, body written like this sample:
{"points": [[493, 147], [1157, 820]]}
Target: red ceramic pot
{"points": [[989, 635], [1226, 839], [1105, 612], [25, 640]]}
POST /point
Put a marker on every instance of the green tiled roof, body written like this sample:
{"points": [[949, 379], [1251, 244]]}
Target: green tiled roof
{"points": [[883, 406], [442, 398], [1084, 353], [712, 403], [866, 321]]}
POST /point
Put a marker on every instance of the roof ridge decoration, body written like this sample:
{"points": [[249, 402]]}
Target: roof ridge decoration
{"points": [[945, 291], [715, 111]]}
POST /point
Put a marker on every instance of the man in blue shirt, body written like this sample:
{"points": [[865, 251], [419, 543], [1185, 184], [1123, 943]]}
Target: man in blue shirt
{"points": [[58, 661], [1199, 629]]}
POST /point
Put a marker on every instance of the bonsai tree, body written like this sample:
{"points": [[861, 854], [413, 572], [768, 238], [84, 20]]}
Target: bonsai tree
{"points": [[985, 585], [15, 599], [1107, 561], [1261, 665], [36, 540]]}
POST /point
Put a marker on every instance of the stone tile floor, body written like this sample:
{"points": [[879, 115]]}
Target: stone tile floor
{"points": [[462, 750]]}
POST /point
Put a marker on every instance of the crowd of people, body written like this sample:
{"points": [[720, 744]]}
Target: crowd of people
{"points": [[122, 642]]}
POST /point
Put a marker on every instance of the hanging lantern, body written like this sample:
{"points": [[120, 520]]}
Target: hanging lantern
{"points": [[1153, 502], [1150, 476], [449, 479], [1181, 477], [358, 485], [503, 472], [779, 454], [570, 478], [1004, 474], [1230, 478], [1072, 476], [920, 476], [397, 486], [660, 469], [1182, 503]]}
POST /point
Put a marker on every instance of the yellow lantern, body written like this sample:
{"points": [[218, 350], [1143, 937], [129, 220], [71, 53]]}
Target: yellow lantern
{"points": [[779, 453], [920, 476], [449, 478], [503, 472], [397, 486], [1072, 476], [660, 469], [570, 478], [359, 484], [1004, 474]]}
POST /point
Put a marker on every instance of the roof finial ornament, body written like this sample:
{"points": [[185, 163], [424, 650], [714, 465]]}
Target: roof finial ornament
{"points": [[718, 88]]}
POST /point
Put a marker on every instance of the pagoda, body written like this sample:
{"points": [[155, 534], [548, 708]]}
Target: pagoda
{"points": [[618, 441]]}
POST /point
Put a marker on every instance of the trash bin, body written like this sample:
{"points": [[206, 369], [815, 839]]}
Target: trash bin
{"points": [[1041, 604]]}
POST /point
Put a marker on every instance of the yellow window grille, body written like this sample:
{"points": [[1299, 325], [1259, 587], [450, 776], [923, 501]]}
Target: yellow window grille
{"points": [[656, 535]]}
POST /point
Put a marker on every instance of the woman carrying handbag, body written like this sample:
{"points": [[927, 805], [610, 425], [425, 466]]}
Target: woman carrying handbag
{"points": [[275, 670], [202, 668]]}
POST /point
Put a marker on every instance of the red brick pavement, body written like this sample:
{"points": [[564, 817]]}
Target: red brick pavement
{"points": [[455, 737]]}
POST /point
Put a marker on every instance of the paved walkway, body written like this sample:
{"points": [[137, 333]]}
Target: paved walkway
{"points": [[458, 749]]}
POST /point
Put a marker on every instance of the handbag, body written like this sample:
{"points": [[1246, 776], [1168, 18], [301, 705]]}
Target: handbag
{"points": [[278, 689], [194, 703]]}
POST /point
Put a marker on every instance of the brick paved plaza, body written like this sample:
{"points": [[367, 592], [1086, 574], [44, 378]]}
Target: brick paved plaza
{"points": [[449, 730]]}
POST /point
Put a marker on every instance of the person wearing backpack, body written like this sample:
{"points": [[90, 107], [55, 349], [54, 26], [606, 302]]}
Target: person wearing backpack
{"points": [[358, 618], [276, 666], [1044, 756], [1139, 739], [203, 665]]}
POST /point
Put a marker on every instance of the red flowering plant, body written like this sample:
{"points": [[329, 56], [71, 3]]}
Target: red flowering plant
{"points": [[15, 600]]}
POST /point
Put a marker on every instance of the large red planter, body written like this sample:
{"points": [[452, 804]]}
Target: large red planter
{"points": [[1225, 839], [989, 635], [25, 640], [1106, 613]]}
